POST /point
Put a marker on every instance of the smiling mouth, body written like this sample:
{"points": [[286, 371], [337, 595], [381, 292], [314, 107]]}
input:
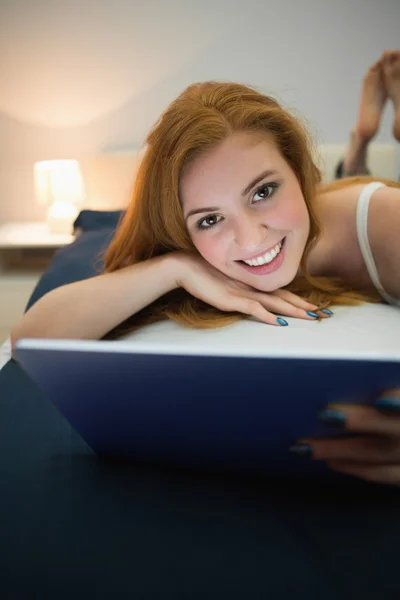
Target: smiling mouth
{"points": [[266, 257]]}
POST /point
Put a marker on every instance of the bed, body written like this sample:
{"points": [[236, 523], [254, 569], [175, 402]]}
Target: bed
{"points": [[74, 525]]}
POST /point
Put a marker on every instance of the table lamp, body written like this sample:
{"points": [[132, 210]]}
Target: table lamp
{"points": [[59, 185]]}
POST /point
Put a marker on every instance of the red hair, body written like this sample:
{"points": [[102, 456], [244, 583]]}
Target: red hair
{"points": [[202, 117]]}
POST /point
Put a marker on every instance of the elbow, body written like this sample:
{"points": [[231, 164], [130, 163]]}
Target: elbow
{"points": [[14, 337]]}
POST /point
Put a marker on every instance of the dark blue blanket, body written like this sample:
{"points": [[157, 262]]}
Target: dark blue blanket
{"points": [[83, 258], [75, 526]]}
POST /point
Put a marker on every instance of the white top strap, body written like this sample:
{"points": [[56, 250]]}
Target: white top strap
{"points": [[362, 233]]}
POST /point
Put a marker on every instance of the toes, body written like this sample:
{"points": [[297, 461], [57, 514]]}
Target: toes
{"points": [[387, 64], [391, 64], [390, 56], [379, 62]]}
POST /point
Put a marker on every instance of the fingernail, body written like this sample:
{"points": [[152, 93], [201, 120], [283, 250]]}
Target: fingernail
{"points": [[326, 311], [388, 404], [313, 314], [304, 450], [333, 418], [282, 321]]}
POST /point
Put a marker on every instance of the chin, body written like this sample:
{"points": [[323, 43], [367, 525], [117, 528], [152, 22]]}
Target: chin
{"points": [[272, 286], [270, 283]]}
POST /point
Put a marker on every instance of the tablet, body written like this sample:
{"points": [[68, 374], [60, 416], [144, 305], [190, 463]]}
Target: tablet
{"points": [[216, 405]]}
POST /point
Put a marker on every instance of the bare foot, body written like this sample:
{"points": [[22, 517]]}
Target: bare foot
{"points": [[355, 159], [391, 74], [372, 101]]}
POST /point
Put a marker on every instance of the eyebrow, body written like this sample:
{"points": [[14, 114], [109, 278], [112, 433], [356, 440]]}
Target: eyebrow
{"points": [[246, 190]]}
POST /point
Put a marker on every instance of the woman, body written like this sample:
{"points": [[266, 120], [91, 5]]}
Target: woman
{"points": [[228, 177]]}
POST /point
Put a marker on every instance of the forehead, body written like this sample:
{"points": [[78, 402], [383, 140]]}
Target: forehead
{"points": [[233, 163]]}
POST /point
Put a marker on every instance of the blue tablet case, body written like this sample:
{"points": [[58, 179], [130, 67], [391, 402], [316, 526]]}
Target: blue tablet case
{"points": [[235, 413]]}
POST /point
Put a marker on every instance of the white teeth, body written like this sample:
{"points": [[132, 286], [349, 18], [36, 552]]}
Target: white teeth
{"points": [[266, 258]]}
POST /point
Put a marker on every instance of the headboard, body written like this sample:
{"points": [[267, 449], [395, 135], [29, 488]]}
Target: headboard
{"points": [[382, 160], [109, 178]]}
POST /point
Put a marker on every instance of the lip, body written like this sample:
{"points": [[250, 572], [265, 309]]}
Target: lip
{"points": [[268, 268], [260, 253]]}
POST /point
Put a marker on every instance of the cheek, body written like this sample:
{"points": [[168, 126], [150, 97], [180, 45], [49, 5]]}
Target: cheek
{"points": [[213, 248], [289, 215]]}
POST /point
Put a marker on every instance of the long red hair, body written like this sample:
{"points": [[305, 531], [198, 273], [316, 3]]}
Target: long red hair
{"points": [[198, 120]]}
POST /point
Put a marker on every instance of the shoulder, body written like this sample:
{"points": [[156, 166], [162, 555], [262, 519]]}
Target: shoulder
{"points": [[339, 213], [337, 253]]}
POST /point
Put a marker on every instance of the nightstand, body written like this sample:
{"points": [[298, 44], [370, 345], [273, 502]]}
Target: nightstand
{"points": [[26, 249]]}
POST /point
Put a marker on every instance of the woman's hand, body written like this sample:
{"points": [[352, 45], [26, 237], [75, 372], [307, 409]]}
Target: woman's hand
{"points": [[205, 282], [374, 455]]}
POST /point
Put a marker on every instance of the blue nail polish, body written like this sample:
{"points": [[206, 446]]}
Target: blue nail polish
{"points": [[333, 418], [326, 311], [387, 404], [312, 314], [282, 321], [304, 450]]}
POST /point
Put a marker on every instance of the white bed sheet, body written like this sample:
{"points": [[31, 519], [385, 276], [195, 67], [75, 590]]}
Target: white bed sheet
{"points": [[368, 330]]}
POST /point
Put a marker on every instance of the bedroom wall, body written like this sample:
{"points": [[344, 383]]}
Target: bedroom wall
{"points": [[88, 76]]}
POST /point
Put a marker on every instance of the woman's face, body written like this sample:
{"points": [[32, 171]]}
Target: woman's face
{"points": [[239, 201]]}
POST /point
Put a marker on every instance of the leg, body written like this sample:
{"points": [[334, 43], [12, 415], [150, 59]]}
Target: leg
{"points": [[391, 74], [372, 101]]}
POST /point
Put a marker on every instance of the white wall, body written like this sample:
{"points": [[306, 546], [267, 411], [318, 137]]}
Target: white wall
{"points": [[87, 76]]}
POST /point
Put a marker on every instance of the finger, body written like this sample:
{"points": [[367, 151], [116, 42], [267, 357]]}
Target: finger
{"points": [[368, 449], [389, 402], [361, 419], [298, 301], [285, 295], [386, 474], [295, 300], [255, 309], [279, 305]]}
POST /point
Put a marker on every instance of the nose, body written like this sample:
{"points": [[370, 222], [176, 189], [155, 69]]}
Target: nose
{"points": [[250, 235]]}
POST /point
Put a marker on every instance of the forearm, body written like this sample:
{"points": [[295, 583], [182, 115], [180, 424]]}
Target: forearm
{"points": [[89, 309]]}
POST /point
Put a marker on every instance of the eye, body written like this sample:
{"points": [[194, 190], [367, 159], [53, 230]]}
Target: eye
{"points": [[263, 193], [199, 224]]}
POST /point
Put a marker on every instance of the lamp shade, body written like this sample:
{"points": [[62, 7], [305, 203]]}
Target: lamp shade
{"points": [[58, 180]]}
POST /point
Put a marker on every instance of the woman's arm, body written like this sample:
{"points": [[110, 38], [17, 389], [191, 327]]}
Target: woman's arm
{"points": [[89, 309]]}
